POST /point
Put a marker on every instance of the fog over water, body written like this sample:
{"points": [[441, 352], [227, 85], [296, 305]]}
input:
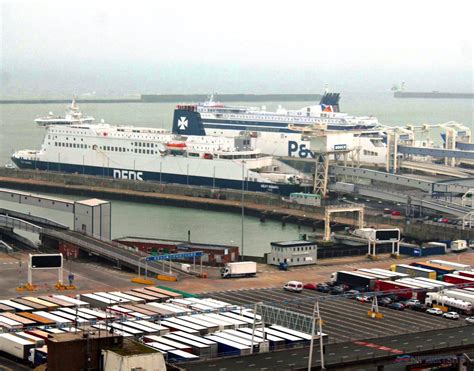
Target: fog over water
{"points": [[110, 48]]}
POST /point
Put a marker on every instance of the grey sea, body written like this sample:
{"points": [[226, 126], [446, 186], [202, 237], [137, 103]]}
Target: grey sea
{"points": [[18, 131]]}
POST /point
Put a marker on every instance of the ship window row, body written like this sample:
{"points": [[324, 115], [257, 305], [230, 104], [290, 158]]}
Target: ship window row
{"points": [[71, 145], [141, 144], [370, 153], [115, 149], [145, 151]]}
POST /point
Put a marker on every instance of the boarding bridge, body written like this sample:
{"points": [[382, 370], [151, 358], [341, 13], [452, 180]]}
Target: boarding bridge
{"points": [[402, 198], [405, 181], [436, 152]]}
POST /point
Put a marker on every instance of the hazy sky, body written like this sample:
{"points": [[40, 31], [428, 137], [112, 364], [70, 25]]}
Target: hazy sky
{"points": [[234, 46]]}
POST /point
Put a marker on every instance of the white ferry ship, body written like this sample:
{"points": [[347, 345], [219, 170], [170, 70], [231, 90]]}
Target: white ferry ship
{"points": [[148, 154], [73, 116], [281, 135]]}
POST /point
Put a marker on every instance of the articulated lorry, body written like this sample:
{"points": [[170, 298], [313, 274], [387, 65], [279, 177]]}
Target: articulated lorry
{"points": [[359, 280], [239, 269]]}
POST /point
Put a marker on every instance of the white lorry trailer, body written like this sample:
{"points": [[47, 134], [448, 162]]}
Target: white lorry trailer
{"points": [[239, 269], [16, 346]]}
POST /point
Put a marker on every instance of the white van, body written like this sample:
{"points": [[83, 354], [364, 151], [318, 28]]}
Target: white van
{"points": [[294, 286]]}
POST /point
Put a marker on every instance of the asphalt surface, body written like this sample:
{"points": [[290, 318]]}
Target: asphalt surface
{"points": [[344, 319], [399, 350]]}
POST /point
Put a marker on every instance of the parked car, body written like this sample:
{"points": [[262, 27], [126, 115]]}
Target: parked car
{"points": [[363, 298], [353, 293], [411, 302], [384, 301], [396, 213], [469, 320], [435, 311], [323, 287], [419, 307], [451, 315], [337, 290], [310, 286], [396, 306], [293, 286]]}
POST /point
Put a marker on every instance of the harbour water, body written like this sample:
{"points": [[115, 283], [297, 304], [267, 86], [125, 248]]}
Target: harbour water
{"points": [[18, 131]]}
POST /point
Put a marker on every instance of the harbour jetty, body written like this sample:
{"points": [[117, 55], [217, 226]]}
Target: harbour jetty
{"points": [[176, 98]]}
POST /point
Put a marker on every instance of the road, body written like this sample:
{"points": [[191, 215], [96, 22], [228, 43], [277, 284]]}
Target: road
{"points": [[396, 350]]}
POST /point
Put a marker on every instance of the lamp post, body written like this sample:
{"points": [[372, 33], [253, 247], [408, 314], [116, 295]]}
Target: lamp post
{"points": [[243, 212]]}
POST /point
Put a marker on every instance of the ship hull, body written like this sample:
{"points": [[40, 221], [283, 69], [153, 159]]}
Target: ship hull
{"points": [[138, 175]]}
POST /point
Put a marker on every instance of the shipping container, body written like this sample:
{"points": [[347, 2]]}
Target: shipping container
{"points": [[96, 313], [414, 271], [16, 346], [247, 320], [28, 303], [6, 308], [161, 330], [441, 284], [239, 340], [109, 296], [188, 322], [422, 251], [263, 345], [289, 339], [299, 334], [129, 330], [465, 273], [170, 308], [111, 330], [159, 311], [146, 329], [72, 317], [79, 314], [10, 324], [138, 309], [388, 275], [39, 333], [247, 313], [155, 295], [141, 295], [223, 321], [427, 285]]}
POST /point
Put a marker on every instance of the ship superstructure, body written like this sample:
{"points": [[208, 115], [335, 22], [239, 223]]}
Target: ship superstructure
{"points": [[73, 116]]}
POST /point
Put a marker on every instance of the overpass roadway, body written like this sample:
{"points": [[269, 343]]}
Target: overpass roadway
{"points": [[407, 181], [404, 198], [113, 251], [387, 350]]}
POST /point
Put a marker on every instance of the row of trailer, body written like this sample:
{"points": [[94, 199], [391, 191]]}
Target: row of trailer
{"points": [[434, 282]]}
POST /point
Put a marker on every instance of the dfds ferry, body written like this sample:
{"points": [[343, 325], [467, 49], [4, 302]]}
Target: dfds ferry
{"points": [[154, 154]]}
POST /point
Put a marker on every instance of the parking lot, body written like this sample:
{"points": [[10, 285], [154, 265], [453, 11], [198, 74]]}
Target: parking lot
{"points": [[344, 319]]}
